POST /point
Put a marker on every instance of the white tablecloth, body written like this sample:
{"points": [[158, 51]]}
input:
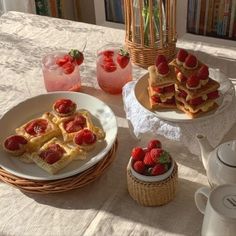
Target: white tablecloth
{"points": [[103, 207]]}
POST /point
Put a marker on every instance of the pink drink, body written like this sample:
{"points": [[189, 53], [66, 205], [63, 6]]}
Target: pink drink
{"points": [[55, 78], [111, 76]]}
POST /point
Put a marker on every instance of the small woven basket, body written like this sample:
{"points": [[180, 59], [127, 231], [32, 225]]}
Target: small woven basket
{"points": [[150, 29], [153, 193]]}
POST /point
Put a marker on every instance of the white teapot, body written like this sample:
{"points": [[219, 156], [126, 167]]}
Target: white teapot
{"points": [[220, 163]]}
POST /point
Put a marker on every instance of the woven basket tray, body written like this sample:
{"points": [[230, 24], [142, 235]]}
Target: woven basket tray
{"points": [[153, 193], [55, 186]]}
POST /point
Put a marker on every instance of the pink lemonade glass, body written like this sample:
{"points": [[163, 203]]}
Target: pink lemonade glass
{"points": [[60, 77], [114, 69]]}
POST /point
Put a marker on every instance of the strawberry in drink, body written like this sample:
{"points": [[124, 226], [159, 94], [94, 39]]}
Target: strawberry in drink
{"points": [[114, 69], [61, 71]]}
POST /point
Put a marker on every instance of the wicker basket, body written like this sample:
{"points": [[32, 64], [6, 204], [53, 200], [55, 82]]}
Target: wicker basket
{"points": [[61, 185], [150, 27], [153, 193]]}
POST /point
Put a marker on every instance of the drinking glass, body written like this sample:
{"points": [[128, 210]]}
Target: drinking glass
{"points": [[112, 71], [56, 78]]}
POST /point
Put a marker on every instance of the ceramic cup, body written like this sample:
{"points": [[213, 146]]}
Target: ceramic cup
{"points": [[219, 209]]}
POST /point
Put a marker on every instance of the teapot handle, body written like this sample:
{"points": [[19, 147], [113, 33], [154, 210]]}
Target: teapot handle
{"points": [[199, 196]]}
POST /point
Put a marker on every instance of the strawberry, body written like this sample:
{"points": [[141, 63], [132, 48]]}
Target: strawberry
{"points": [[196, 101], [203, 72], [163, 68], [169, 89], [85, 136], [109, 66], [156, 99], [182, 54], [213, 95], [191, 61], [36, 127], [155, 143], [61, 61], [148, 161], [68, 67], [123, 58], [193, 81], [137, 153], [158, 169], [108, 53], [159, 59], [159, 155], [14, 142], [89, 137], [64, 106], [182, 93], [139, 167], [77, 56], [158, 89]]}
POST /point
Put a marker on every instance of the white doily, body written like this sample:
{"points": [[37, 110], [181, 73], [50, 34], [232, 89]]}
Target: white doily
{"points": [[214, 128]]}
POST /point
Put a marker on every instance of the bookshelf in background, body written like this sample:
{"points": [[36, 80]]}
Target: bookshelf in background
{"points": [[215, 18]]}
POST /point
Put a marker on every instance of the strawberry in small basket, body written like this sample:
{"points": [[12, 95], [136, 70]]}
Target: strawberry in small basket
{"points": [[151, 162]]}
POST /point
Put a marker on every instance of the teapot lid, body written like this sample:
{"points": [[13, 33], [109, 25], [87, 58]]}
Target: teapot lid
{"points": [[227, 153], [223, 201]]}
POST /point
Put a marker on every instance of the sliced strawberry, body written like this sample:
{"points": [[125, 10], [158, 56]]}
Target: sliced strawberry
{"points": [[158, 89], [169, 89], [109, 67], [182, 55], [196, 101], [123, 58], [77, 56], [68, 67], [61, 61], [14, 142], [139, 167], [191, 61], [203, 72], [64, 106], [193, 81], [137, 153], [182, 93], [159, 59], [155, 143], [148, 161], [36, 127], [156, 99], [159, 169], [108, 53], [213, 95], [163, 68]]}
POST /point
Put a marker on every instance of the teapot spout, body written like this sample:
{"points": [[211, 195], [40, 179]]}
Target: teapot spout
{"points": [[205, 148]]}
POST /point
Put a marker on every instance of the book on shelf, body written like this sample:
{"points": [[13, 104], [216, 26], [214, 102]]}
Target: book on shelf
{"points": [[215, 18]]}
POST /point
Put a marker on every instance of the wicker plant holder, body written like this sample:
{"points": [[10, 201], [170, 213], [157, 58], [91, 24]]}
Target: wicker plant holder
{"points": [[61, 185], [150, 29], [153, 193]]}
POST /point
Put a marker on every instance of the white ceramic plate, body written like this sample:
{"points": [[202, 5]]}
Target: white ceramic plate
{"points": [[102, 116], [226, 90]]}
